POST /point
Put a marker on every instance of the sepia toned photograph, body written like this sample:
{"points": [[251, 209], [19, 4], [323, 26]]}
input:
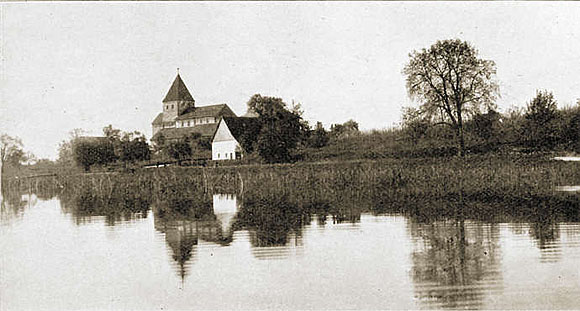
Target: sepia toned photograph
{"points": [[293, 155]]}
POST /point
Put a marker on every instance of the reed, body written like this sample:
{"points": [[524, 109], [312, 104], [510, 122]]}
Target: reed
{"points": [[478, 186]]}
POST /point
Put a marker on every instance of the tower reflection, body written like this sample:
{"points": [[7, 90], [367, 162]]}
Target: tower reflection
{"points": [[186, 221]]}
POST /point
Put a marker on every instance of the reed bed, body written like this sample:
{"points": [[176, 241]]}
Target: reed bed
{"points": [[477, 186]]}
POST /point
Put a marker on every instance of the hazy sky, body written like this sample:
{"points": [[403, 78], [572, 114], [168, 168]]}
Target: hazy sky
{"points": [[86, 65]]}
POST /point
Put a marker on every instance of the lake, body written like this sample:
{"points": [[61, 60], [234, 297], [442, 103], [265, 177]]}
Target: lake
{"points": [[57, 254]]}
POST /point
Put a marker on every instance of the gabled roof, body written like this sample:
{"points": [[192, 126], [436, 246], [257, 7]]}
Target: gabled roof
{"points": [[178, 91], [243, 125], [206, 130], [158, 119], [244, 130], [207, 111]]}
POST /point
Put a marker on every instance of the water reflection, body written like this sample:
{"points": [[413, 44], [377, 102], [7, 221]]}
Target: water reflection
{"points": [[12, 204], [455, 263], [225, 207], [270, 219], [88, 204], [185, 221], [547, 237], [279, 239]]}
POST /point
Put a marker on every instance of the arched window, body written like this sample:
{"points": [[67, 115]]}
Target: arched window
{"points": [[218, 155]]}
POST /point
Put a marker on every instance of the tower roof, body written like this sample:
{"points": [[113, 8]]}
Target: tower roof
{"points": [[178, 91]]}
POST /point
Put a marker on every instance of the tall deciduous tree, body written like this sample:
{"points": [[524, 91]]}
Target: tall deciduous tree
{"points": [[540, 128], [452, 83], [281, 129], [93, 151], [129, 146]]}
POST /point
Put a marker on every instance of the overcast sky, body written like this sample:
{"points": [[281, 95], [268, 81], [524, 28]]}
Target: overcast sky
{"points": [[86, 65]]}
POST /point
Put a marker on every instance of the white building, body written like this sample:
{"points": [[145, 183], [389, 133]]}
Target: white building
{"points": [[230, 136], [180, 118]]}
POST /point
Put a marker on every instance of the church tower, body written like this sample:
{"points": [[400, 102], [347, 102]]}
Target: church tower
{"points": [[177, 100]]}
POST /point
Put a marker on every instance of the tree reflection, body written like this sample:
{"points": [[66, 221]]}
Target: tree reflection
{"points": [[545, 231], [89, 203], [542, 225], [14, 197], [11, 204], [454, 263], [271, 218]]}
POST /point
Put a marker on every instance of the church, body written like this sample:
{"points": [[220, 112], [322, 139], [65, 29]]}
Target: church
{"points": [[180, 118]]}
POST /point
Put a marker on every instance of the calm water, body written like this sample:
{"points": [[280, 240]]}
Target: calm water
{"points": [[54, 256]]}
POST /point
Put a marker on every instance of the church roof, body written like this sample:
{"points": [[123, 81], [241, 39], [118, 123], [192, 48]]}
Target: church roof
{"points": [[244, 130], [207, 111], [243, 125], [158, 119], [178, 91], [206, 130]]}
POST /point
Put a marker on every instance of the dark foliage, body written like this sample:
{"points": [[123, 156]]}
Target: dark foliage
{"points": [[129, 147], [179, 150], [319, 137], [281, 129], [485, 126], [540, 128], [93, 152]]}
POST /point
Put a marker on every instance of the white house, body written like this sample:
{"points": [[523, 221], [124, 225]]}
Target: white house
{"points": [[230, 135]]}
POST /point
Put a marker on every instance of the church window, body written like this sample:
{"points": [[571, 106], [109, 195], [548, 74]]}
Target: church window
{"points": [[171, 106], [187, 123], [218, 155]]}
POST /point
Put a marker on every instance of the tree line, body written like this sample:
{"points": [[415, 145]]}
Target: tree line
{"points": [[457, 91], [113, 147]]}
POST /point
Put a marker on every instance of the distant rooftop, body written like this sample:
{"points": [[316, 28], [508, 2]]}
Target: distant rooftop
{"points": [[178, 91]]}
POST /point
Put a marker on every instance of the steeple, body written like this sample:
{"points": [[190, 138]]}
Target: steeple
{"points": [[178, 91]]}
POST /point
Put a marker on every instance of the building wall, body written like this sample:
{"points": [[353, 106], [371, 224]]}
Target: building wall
{"points": [[195, 121], [156, 128], [173, 109], [224, 150], [170, 111]]}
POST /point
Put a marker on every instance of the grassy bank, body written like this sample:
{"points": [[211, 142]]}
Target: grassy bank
{"points": [[478, 185]]}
